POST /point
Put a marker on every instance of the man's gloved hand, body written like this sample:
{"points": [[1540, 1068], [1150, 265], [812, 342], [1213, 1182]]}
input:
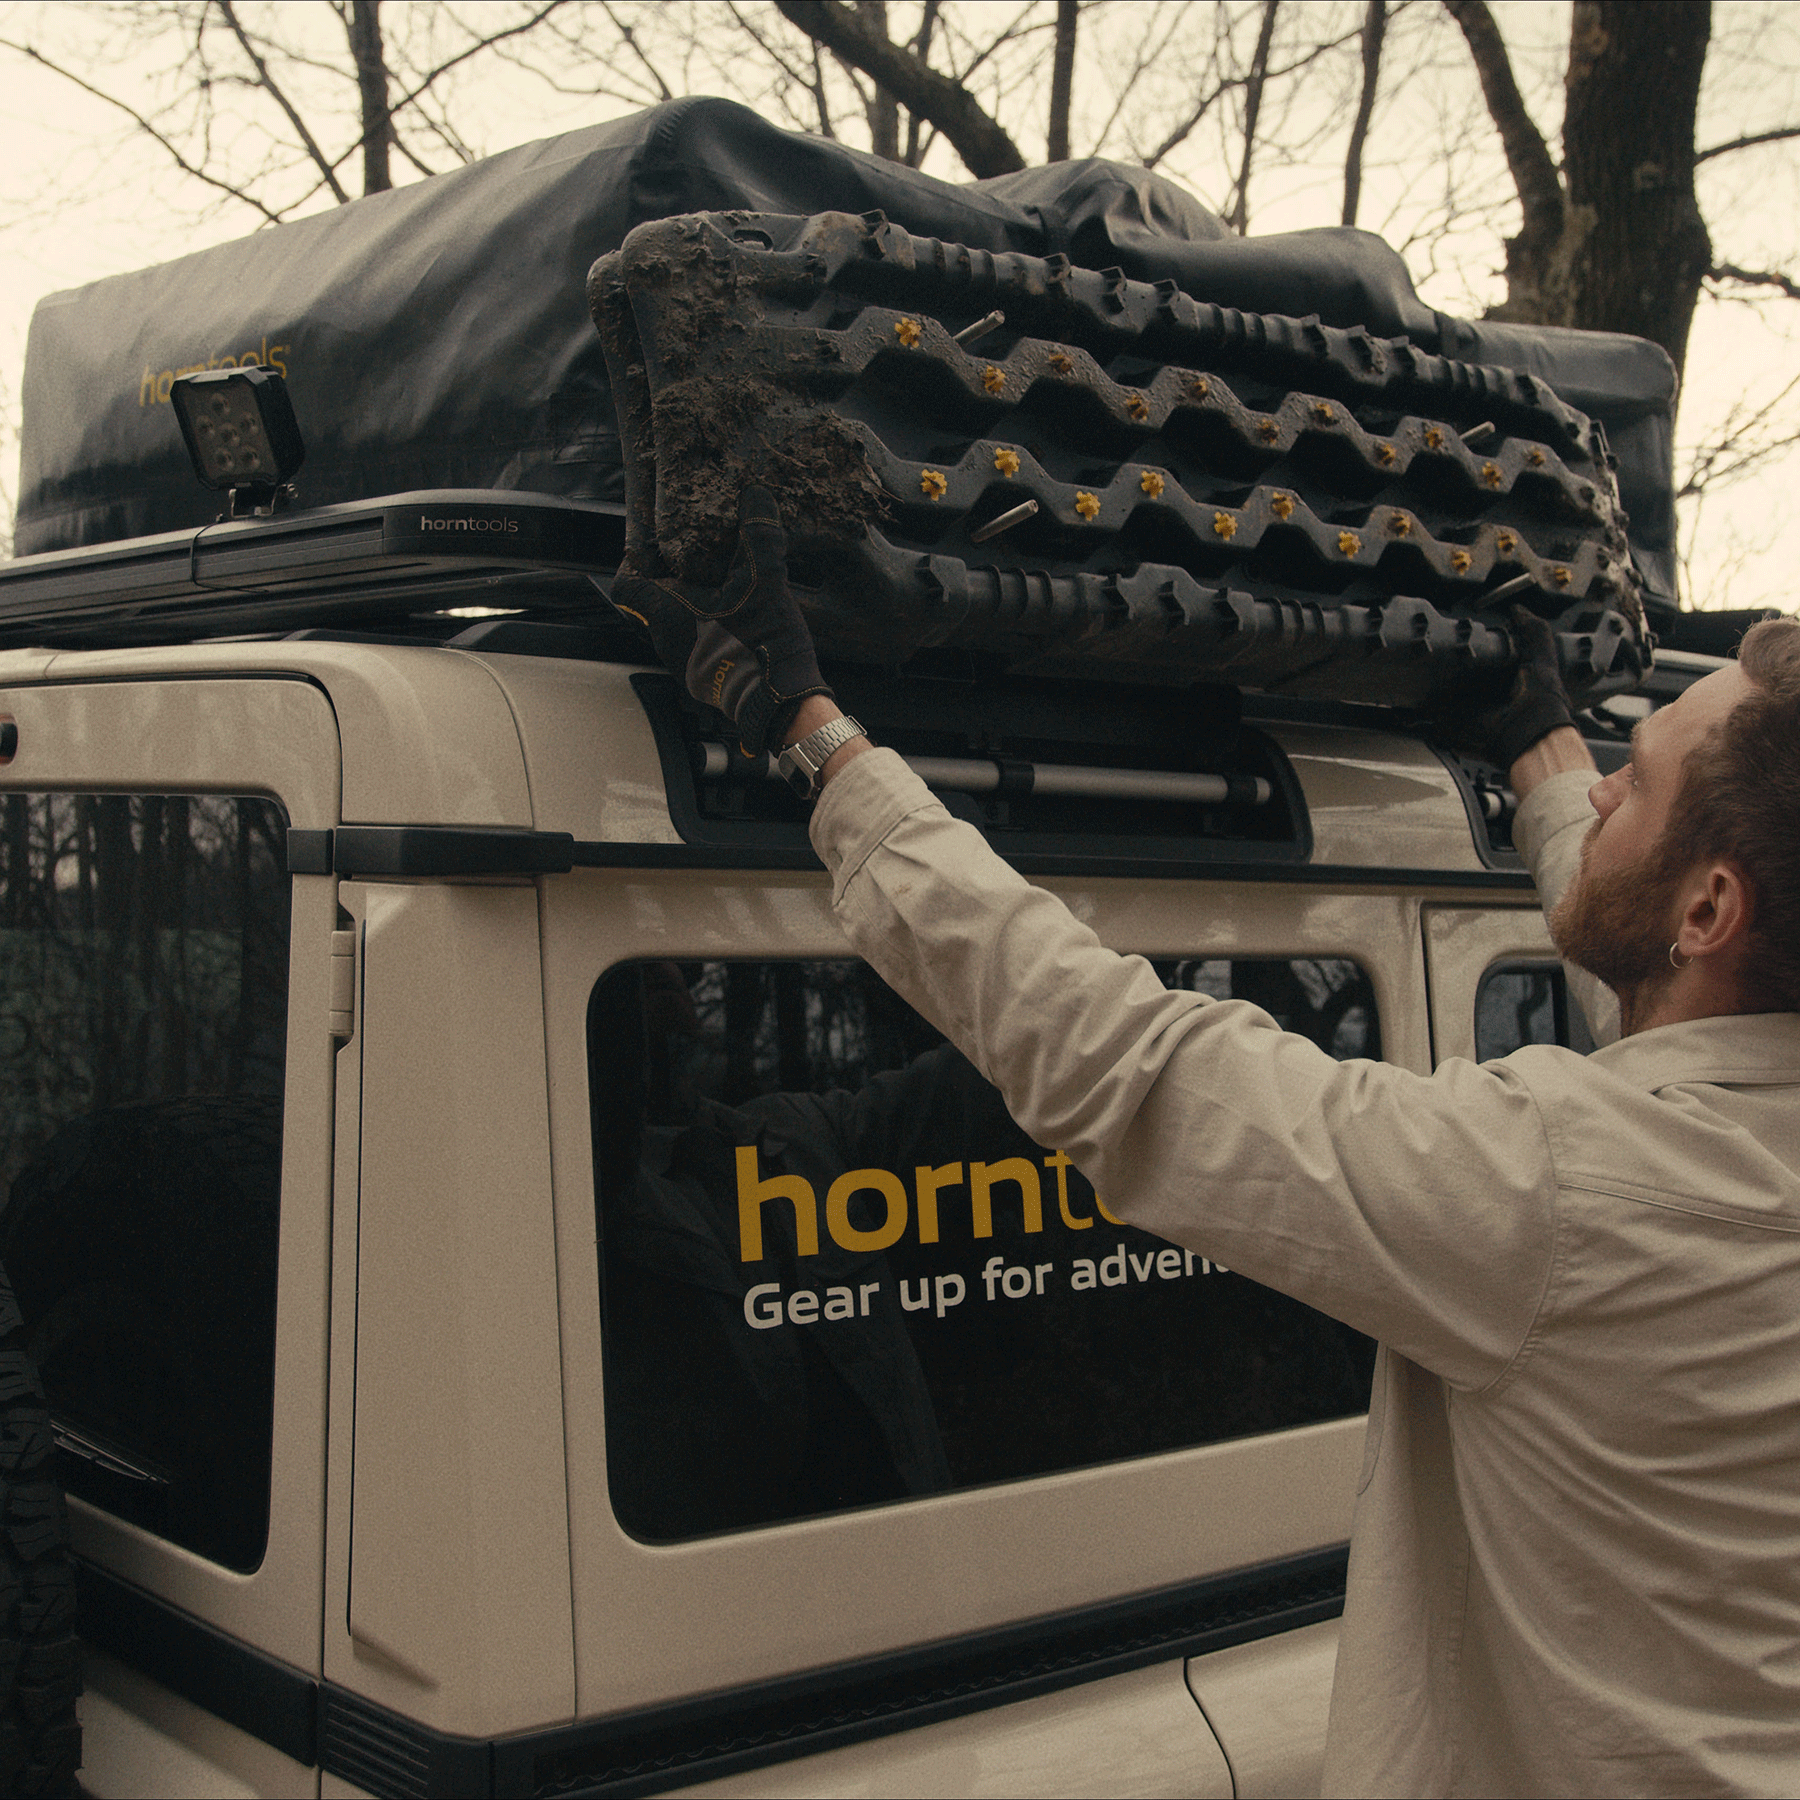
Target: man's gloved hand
{"points": [[1534, 705], [743, 647]]}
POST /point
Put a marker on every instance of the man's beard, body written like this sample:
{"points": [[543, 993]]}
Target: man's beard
{"points": [[1618, 923]]}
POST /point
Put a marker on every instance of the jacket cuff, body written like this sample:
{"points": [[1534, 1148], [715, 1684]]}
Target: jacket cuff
{"points": [[1557, 804], [861, 804]]}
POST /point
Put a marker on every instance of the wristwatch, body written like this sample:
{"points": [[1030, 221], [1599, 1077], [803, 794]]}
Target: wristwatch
{"points": [[802, 763]]}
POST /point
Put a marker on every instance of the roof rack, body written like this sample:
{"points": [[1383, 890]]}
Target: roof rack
{"points": [[373, 564]]}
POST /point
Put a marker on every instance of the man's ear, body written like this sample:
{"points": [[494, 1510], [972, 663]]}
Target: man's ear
{"points": [[1718, 912]]}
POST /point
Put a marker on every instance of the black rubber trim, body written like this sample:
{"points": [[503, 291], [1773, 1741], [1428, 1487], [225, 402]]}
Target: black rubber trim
{"points": [[389, 852], [389, 1755], [308, 852], [319, 1723], [255, 1692], [425, 850], [712, 856], [776, 1721]]}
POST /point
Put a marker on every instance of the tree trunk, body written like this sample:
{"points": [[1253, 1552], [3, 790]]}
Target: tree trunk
{"points": [[1062, 82], [1373, 32], [1628, 155], [372, 84], [982, 142], [1615, 243], [883, 109], [1239, 216]]}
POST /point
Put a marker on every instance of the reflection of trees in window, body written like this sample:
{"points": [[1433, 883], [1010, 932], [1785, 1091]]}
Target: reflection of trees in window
{"points": [[795, 1027], [1327, 999], [715, 1424], [756, 1028], [143, 954], [1517, 1006]]}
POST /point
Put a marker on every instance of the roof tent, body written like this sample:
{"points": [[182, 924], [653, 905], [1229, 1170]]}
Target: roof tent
{"points": [[437, 336]]}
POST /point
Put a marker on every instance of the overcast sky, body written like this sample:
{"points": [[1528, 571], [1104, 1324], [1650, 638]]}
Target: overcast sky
{"points": [[82, 197]]}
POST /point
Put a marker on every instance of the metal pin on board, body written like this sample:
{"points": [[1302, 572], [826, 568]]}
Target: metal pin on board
{"points": [[1507, 589], [1478, 434], [1006, 521], [980, 328]]}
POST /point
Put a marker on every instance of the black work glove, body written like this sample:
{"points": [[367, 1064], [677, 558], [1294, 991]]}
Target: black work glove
{"points": [[1535, 702], [742, 647]]}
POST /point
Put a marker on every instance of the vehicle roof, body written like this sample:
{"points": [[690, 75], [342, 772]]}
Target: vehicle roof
{"points": [[443, 736]]}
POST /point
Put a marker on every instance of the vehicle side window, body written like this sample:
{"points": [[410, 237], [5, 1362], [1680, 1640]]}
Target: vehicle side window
{"points": [[835, 1272], [1526, 1003], [143, 1029]]}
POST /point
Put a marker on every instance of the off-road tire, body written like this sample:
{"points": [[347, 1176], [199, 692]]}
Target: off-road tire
{"points": [[40, 1657]]}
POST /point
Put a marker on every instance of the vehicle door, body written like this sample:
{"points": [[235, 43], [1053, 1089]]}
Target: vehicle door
{"points": [[890, 1450], [1497, 983], [167, 1029]]}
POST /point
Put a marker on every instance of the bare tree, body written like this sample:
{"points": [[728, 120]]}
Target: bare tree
{"points": [[1422, 121], [980, 140], [1239, 214], [238, 76], [372, 91], [1613, 240], [1062, 82], [1374, 33]]}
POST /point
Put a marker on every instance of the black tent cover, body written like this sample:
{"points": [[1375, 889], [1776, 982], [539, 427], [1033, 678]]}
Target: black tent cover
{"points": [[437, 336]]}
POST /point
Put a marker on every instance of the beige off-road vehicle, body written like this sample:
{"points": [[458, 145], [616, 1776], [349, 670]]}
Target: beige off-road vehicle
{"points": [[519, 1309]]}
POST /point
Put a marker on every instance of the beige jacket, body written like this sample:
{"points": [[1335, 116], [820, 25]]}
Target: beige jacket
{"points": [[1576, 1562]]}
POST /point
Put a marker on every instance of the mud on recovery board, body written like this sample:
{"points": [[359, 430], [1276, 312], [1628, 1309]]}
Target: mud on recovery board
{"points": [[1070, 473]]}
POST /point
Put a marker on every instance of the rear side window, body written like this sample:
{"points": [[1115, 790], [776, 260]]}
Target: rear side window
{"points": [[143, 1025], [836, 1273], [1526, 1003]]}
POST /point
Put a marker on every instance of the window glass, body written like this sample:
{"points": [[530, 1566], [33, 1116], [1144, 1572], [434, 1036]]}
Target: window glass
{"points": [[835, 1272], [143, 1024], [1526, 1003]]}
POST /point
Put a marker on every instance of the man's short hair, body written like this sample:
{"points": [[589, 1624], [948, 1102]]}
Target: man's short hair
{"points": [[1739, 801]]}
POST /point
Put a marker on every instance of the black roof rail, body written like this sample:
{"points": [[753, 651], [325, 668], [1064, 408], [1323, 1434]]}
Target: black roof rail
{"points": [[371, 564]]}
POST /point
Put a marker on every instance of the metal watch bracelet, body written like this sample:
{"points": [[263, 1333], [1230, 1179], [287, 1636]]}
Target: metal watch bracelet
{"points": [[803, 762]]}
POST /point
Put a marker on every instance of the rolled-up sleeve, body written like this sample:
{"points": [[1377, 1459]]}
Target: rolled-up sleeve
{"points": [[1420, 1210]]}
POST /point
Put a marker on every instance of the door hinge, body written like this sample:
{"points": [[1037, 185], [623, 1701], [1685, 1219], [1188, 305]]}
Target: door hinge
{"points": [[343, 983]]}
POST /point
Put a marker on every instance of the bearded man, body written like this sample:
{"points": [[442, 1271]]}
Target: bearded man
{"points": [[1575, 1565]]}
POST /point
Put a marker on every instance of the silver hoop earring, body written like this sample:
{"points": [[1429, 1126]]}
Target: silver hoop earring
{"points": [[1673, 964]]}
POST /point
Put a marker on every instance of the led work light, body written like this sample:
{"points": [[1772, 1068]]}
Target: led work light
{"points": [[241, 434]]}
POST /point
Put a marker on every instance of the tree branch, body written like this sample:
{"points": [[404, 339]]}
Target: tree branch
{"points": [[1755, 278], [407, 152], [267, 81], [144, 125], [475, 49], [1747, 143], [1374, 30], [979, 140], [1239, 216], [1736, 451], [1527, 155], [818, 93], [630, 39], [921, 48], [879, 105], [366, 52], [813, 84], [1062, 82]]}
